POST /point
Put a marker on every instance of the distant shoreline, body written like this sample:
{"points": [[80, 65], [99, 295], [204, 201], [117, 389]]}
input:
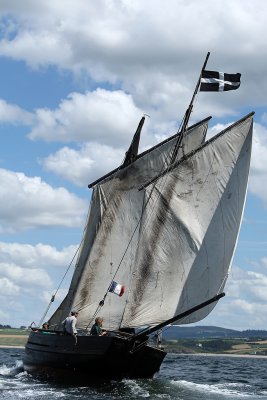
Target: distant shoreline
{"points": [[179, 354], [220, 355]]}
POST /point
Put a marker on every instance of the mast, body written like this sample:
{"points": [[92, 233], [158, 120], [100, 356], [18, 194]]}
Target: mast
{"points": [[188, 113]]}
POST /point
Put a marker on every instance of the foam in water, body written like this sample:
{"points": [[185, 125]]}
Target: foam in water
{"points": [[136, 389], [226, 389], [17, 384], [12, 371]]}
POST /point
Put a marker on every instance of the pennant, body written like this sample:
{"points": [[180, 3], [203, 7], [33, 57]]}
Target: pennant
{"points": [[213, 81], [117, 288]]}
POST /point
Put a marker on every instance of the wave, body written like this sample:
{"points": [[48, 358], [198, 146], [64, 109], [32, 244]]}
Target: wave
{"points": [[12, 371], [225, 389], [135, 388]]}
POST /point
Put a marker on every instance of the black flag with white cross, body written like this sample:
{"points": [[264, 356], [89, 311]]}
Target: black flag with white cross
{"points": [[213, 81]]}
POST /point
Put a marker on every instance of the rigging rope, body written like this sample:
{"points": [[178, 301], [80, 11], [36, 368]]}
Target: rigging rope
{"points": [[54, 295]]}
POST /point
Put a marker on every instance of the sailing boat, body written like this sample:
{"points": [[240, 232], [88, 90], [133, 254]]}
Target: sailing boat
{"points": [[164, 226]]}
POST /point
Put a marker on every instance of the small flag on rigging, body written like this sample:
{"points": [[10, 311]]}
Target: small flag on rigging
{"points": [[117, 288], [213, 81]]}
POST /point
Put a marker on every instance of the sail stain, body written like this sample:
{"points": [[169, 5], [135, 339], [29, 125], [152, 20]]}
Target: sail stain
{"points": [[103, 236], [145, 270]]}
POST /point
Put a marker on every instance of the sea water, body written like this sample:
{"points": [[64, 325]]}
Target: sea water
{"points": [[182, 377]]}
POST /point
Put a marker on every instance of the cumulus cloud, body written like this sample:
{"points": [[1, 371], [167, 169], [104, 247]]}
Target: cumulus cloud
{"points": [[28, 274], [138, 44], [100, 115], [83, 166], [41, 255], [241, 314], [246, 298], [249, 284], [11, 113], [28, 202], [8, 288], [25, 277]]}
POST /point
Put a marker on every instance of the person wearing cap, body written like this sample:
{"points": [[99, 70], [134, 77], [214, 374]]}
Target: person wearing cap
{"points": [[70, 324]]}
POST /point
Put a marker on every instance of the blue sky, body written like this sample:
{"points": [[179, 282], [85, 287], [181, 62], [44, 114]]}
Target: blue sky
{"points": [[75, 79]]}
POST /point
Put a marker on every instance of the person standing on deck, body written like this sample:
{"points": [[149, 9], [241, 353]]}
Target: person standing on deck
{"points": [[70, 324]]}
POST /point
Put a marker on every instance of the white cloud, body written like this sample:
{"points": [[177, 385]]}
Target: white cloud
{"points": [[30, 202], [101, 115], [249, 284], [10, 113], [40, 255], [28, 275], [8, 288], [25, 277], [245, 303], [84, 166], [241, 314], [140, 45]]}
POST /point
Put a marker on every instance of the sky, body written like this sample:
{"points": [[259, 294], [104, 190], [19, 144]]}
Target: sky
{"points": [[76, 77]]}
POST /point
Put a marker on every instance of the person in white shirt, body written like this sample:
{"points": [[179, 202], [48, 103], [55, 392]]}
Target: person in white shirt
{"points": [[70, 324]]}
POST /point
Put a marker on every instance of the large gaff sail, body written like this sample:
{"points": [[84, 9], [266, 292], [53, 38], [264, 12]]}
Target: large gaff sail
{"points": [[187, 242], [113, 229]]}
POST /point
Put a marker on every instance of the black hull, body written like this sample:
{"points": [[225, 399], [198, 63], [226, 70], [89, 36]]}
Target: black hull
{"points": [[57, 357]]}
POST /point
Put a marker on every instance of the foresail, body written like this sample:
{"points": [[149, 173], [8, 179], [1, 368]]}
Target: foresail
{"points": [[96, 210], [112, 236], [190, 229]]}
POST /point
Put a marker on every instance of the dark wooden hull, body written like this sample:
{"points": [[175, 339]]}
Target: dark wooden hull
{"points": [[57, 357]]}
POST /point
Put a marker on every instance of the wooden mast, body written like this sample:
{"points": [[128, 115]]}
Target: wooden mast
{"points": [[188, 113]]}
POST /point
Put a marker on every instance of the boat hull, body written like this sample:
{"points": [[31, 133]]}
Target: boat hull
{"points": [[57, 357]]}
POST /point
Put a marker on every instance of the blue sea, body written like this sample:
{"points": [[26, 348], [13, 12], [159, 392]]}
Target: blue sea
{"points": [[182, 377]]}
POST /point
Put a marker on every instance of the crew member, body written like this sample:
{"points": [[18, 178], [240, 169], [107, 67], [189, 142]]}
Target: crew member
{"points": [[70, 324], [96, 329]]}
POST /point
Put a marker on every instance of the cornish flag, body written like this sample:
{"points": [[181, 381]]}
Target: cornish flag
{"points": [[212, 81], [117, 288]]}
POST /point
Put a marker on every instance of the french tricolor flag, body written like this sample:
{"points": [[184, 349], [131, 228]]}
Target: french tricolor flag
{"points": [[117, 288]]}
